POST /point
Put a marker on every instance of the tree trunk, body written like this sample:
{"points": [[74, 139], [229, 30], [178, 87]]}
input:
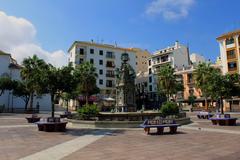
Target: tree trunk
{"points": [[221, 105], [26, 102], [67, 105], [86, 99], [52, 102], [206, 104], [31, 101]]}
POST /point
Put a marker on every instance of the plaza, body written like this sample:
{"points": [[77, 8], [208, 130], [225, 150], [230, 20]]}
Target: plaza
{"points": [[198, 140]]}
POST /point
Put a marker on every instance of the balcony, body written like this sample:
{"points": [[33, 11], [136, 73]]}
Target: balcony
{"points": [[110, 65], [110, 85], [231, 56], [232, 69], [110, 75]]}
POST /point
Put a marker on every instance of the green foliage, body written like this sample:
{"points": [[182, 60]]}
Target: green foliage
{"points": [[85, 76], [169, 108], [21, 90], [191, 99], [167, 84], [88, 111], [6, 84], [33, 73]]}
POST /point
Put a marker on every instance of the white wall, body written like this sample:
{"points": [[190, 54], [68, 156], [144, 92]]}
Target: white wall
{"points": [[14, 102]]}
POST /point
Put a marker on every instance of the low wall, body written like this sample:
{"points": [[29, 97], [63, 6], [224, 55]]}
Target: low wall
{"points": [[118, 124]]}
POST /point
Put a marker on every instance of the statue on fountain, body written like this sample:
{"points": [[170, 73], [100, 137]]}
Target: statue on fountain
{"points": [[125, 86]]}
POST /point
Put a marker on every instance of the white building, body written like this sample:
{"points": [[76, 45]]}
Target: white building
{"points": [[10, 68], [106, 58], [177, 56], [196, 58]]}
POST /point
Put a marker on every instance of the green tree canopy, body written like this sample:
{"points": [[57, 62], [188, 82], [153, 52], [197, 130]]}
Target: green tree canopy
{"points": [[33, 73], [167, 83], [85, 75], [5, 84]]}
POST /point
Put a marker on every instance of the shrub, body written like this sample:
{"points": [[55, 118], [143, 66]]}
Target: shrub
{"points": [[88, 111], [169, 108]]}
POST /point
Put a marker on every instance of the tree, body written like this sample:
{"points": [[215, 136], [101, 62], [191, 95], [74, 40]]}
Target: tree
{"points": [[5, 84], [167, 83], [57, 81], [201, 77], [191, 99], [32, 73], [85, 74], [21, 90]]}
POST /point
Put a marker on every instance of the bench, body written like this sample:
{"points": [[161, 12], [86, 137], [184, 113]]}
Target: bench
{"points": [[204, 115], [160, 125], [66, 115], [33, 119], [224, 121], [52, 125]]}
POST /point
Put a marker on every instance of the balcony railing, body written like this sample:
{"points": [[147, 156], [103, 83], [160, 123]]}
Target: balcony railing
{"points": [[231, 56], [232, 69], [110, 56], [110, 65], [110, 75]]}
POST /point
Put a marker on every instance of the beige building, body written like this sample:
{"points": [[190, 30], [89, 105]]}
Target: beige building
{"points": [[142, 57], [229, 51]]}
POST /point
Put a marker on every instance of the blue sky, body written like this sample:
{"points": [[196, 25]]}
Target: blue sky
{"points": [[148, 24]]}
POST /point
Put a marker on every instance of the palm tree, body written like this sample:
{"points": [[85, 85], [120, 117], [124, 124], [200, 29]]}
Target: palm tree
{"points": [[85, 74], [201, 75], [167, 83], [6, 84], [32, 73]]}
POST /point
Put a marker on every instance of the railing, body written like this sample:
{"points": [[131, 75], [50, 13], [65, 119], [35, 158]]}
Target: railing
{"points": [[110, 66], [110, 75], [110, 56]]}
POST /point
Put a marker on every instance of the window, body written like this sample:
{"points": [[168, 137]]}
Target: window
{"points": [[110, 73], [80, 60], [92, 61], [158, 60], [110, 64], [81, 51], [232, 66], [136, 63], [100, 81], [150, 79], [150, 71], [149, 62], [190, 78], [100, 71], [100, 52], [92, 51], [229, 41], [164, 58], [100, 62], [231, 54], [110, 54], [109, 83], [150, 88]]}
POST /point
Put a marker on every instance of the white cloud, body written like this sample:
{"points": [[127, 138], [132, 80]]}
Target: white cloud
{"points": [[17, 36], [169, 9]]}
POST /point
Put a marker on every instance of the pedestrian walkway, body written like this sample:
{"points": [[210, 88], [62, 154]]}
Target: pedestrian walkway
{"points": [[64, 149]]}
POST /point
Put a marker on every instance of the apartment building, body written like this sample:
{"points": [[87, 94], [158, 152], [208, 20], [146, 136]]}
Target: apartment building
{"points": [[177, 56], [142, 57], [196, 58], [106, 58], [229, 44]]}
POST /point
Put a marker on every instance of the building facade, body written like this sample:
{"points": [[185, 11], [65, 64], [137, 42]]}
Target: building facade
{"points": [[106, 58], [142, 57], [176, 56], [229, 44], [10, 68]]}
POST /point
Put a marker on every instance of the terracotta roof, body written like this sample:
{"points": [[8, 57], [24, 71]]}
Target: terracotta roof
{"points": [[228, 34]]}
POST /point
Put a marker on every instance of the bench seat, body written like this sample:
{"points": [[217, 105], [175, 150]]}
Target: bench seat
{"points": [[52, 126], [224, 121], [160, 127]]}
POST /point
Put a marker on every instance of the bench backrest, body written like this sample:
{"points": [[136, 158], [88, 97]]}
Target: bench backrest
{"points": [[227, 116], [159, 122]]}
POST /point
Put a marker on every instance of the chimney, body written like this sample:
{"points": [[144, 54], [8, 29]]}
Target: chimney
{"points": [[176, 44]]}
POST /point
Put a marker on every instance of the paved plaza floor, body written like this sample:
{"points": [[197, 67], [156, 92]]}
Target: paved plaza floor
{"points": [[199, 140]]}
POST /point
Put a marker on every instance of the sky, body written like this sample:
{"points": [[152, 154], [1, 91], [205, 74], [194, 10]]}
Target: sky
{"points": [[49, 27]]}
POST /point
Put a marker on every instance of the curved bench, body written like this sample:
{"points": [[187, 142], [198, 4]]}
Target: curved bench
{"points": [[52, 126], [224, 121]]}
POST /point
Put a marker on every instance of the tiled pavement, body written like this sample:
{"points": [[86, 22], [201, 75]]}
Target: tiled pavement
{"points": [[18, 142]]}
